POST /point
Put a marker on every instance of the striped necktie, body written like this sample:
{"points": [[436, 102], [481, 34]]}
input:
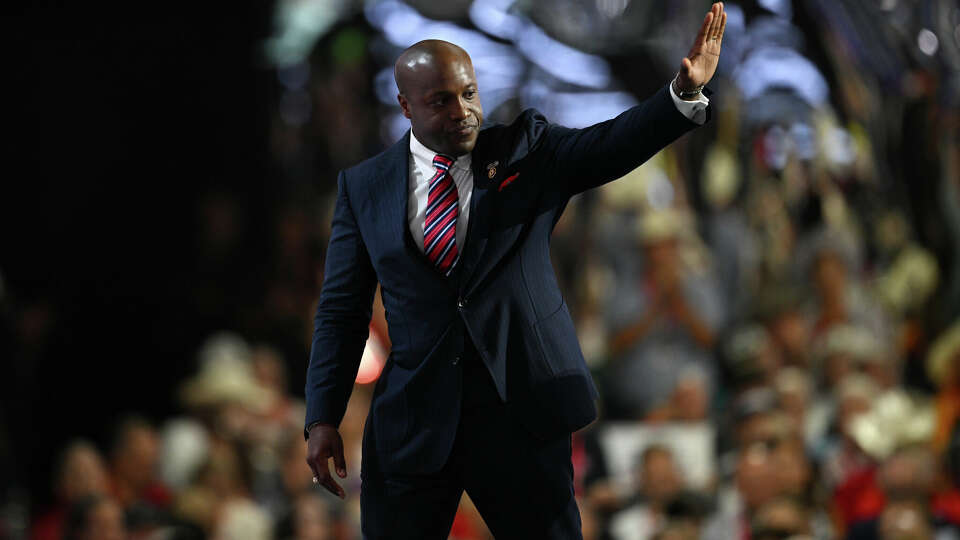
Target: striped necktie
{"points": [[440, 225]]}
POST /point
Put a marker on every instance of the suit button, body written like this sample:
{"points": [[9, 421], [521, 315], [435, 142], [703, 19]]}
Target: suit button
{"points": [[462, 303], [456, 360]]}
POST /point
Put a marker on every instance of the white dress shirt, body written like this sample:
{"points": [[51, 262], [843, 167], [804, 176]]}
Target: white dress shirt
{"points": [[422, 170]]}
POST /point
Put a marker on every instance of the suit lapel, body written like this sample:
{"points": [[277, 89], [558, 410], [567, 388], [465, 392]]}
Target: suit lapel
{"points": [[397, 174], [478, 228]]}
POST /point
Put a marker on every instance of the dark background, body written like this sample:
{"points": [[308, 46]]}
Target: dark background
{"points": [[132, 114]]}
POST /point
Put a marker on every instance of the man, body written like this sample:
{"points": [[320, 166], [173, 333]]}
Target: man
{"points": [[664, 323], [485, 381], [659, 481], [81, 472]]}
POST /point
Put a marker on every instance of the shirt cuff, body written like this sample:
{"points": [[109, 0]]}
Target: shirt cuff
{"points": [[695, 111]]}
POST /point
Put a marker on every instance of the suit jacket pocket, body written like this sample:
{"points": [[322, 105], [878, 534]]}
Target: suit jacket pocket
{"points": [[390, 421], [563, 401], [558, 343]]}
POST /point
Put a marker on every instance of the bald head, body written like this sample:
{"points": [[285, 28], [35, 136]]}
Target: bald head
{"points": [[438, 93], [425, 56]]}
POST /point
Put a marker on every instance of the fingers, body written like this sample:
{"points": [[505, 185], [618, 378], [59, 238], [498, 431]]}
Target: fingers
{"points": [[713, 23], [332, 486], [716, 10], [718, 23], [704, 33], [723, 26], [321, 475], [338, 460]]}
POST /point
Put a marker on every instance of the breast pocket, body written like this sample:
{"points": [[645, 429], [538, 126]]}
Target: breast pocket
{"points": [[515, 202]]}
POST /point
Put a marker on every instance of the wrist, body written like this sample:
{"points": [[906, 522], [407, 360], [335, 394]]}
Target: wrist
{"points": [[314, 425], [686, 94]]}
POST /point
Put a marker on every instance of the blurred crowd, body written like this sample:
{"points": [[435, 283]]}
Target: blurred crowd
{"points": [[233, 466], [770, 307]]}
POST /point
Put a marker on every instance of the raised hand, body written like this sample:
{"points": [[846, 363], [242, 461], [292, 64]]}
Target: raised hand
{"points": [[698, 67]]}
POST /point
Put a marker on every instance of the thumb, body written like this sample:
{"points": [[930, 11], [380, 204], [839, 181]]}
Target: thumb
{"points": [[338, 460], [686, 65]]}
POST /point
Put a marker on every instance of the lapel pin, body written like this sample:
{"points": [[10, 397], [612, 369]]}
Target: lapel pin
{"points": [[492, 169]]}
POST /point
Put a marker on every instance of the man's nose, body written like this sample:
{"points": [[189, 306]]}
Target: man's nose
{"points": [[459, 111]]}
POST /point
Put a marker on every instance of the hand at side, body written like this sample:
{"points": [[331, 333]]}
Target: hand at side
{"points": [[325, 443]]}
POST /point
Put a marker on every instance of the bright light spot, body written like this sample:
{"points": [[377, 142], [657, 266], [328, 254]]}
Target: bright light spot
{"points": [[562, 61], [839, 147], [736, 20], [612, 8], [804, 141], [575, 109], [494, 18], [776, 147], [499, 68], [781, 67], [888, 5], [300, 23], [928, 42], [659, 190], [779, 7], [372, 362]]}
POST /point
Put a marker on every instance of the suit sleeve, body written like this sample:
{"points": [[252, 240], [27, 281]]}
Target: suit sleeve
{"points": [[580, 159], [341, 324]]}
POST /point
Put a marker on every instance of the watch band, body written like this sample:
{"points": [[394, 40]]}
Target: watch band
{"points": [[684, 94]]}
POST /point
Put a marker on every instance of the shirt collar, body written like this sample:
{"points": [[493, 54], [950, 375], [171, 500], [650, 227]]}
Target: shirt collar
{"points": [[424, 154]]}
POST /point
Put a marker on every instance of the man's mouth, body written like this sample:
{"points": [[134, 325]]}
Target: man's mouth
{"points": [[464, 131]]}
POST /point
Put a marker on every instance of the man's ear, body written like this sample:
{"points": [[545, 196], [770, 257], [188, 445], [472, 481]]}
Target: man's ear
{"points": [[404, 105]]}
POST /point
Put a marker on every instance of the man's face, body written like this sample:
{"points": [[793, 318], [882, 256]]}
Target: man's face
{"points": [[138, 459], [443, 104], [661, 480], [84, 474]]}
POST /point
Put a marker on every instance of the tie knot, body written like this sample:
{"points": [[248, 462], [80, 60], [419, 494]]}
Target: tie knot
{"points": [[441, 161]]}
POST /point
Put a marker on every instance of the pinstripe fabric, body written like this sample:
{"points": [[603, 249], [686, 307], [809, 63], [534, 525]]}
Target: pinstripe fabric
{"points": [[440, 225]]}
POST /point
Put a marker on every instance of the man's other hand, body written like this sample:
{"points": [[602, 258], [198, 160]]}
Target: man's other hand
{"points": [[325, 443], [698, 67]]}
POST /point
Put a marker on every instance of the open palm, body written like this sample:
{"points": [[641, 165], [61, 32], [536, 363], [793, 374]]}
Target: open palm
{"points": [[698, 67]]}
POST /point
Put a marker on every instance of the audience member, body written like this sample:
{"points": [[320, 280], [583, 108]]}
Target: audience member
{"points": [[95, 517], [80, 474], [658, 481], [134, 465], [663, 320]]}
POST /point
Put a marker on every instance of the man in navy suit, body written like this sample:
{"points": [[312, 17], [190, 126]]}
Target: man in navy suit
{"points": [[485, 381]]}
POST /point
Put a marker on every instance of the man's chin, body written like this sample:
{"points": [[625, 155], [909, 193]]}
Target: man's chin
{"points": [[464, 146]]}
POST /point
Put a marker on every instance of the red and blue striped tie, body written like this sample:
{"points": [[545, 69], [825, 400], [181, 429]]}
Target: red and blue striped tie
{"points": [[440, 225]]}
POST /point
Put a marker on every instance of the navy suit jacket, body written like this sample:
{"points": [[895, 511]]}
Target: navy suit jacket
{"points": [[504, 298]]}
